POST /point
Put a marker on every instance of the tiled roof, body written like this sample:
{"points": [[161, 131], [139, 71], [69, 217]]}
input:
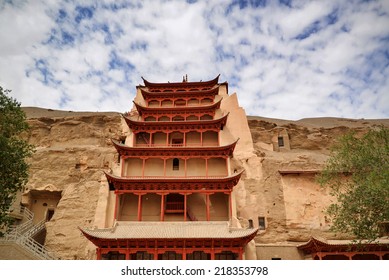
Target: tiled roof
{"points": [[322, 245], [334, 242], [169, 230]]}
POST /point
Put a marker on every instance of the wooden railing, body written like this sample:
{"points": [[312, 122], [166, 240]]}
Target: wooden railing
{"points": [[174, 207]]}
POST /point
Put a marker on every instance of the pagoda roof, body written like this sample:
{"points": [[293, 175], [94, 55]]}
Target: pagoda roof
{"points": [[174, 151], [163, 184], [209, 83], [214, 124], [169, 230], [179, 109], [148, 94], [315, 245]]}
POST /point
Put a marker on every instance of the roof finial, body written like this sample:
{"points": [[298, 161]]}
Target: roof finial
{"points": [[185, 78]]}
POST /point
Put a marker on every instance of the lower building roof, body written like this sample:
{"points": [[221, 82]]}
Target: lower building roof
{"points": [[170, 230], [322, 245]]}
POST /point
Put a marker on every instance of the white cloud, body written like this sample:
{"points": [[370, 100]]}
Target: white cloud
{"points": [[315, 58]]}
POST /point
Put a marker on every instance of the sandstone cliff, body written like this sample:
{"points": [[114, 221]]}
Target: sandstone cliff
{"points": [[74, 148]]}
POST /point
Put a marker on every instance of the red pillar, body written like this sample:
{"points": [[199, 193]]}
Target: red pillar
{"points": [[185, 209], [207, 205], [98, 253], [122, 167], [143, 167], [240, 253], [162, 207], [140, 207], [230, 204], [206, 167], [115, 214]]}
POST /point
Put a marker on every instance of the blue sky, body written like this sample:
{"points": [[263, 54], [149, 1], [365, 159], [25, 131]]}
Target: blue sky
{"points": [[284, 59]]}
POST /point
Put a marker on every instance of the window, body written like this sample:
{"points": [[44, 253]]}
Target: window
{"points": [[280, 141], [177, 142], [176, 164], [142, 255], [261, 223]]}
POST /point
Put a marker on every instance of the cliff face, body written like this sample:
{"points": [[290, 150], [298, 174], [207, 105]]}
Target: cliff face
{"points": [[74, 148], [288, 196], [72, 151]]}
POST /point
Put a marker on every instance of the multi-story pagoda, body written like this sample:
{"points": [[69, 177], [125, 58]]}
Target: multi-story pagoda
{"points": [[173, 198]]}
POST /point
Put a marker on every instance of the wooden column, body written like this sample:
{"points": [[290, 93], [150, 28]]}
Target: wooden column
{"points": [[184, 253], [140, 207], [206, 167], [212, 252], [150, 138], [230, 204], [185, 207], [98, 253], [164, 167], [207, 206], [162, 207], [240, 253], [143, 166], [115, 213], [122, 166]]}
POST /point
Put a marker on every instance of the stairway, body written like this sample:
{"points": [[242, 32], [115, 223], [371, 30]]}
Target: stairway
{"points": [[22, 235]]}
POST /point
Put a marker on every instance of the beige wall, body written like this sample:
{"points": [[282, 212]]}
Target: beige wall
{"points": [[151, 207], [285, 252], [128, 208], [133, 167], [305, 201], [219, 207]]}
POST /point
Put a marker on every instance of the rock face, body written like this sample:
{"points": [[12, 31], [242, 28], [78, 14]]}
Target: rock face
{"points": [[72, 151], [278, 187]]}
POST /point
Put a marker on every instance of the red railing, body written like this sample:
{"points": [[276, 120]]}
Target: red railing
{"points": [[174, 207], [139, 145], [175, 177]]}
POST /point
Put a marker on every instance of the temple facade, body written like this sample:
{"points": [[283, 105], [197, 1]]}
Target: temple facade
{"points": [[172, 195]]}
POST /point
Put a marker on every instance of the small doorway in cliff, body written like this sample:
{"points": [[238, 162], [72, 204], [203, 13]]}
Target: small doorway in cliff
{"points": [[42, 203], [49, 214]]}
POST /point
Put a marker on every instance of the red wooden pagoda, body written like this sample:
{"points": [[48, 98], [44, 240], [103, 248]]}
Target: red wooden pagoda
{"points": [[173, 196]]}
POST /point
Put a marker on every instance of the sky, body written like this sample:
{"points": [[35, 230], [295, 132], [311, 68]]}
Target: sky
{"points": [[285, 59]]}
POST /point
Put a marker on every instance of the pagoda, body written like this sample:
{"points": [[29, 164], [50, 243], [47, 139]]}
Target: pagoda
{"points": [[172, 196]]}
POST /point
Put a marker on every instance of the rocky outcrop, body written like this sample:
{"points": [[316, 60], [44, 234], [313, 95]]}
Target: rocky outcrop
{"points": [[72, 151]]}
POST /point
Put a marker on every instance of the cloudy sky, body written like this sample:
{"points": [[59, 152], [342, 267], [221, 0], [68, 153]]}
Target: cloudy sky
{"points": [[285, 59]]}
